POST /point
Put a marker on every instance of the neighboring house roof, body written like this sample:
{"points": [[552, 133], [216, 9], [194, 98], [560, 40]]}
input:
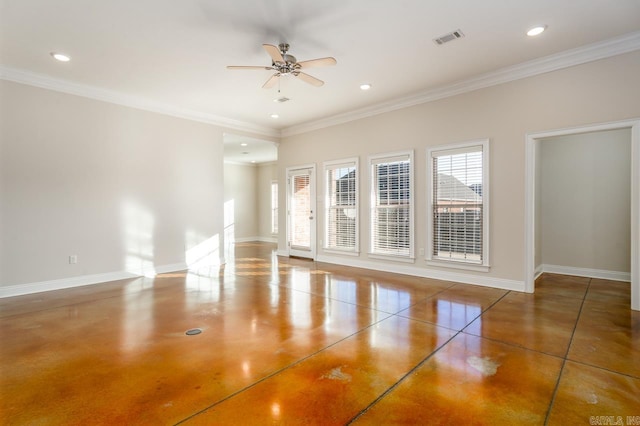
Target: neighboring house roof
{"points": [[451, 189]]}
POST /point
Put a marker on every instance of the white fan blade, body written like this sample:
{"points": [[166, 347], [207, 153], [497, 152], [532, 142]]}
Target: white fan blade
{"points": [[274, 52], [320, 62], [272, 81], [247, 67], [309, 79]]}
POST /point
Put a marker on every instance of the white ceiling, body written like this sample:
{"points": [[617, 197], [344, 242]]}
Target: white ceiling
{"points": [[171, 55], [241, 149]]}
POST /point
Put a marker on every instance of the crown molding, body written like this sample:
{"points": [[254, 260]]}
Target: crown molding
{"points": [[593, 52], [92, 92], [240, 163], [569, 58]]}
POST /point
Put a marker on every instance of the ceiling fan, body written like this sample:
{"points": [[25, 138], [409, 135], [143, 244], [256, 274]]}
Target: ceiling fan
{"points": [[283, 63]]}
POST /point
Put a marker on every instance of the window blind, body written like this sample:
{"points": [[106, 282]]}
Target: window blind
{"points": [[391, 209], [457, 204], [301, 211], [341, 224]]}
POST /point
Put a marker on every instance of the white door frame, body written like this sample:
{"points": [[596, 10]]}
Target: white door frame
{"points": [[530, 179], [291, 251]]}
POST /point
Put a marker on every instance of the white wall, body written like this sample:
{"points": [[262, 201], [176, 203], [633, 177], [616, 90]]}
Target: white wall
{"points": [[585, 201], [241, 200], [248, 189], [121, 188], [600, 91]]}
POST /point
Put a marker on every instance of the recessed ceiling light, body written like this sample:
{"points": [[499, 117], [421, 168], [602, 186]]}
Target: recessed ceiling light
{"points": [[60, 57], [253, 161], [536, 31], [365, 86], [243, 144], [274, 116]]}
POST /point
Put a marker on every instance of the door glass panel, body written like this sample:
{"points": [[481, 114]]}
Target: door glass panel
{"points": [[301, 211]]}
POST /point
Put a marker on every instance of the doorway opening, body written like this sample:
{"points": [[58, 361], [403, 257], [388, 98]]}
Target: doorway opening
{"points": [[250, 180], [532, 175]]}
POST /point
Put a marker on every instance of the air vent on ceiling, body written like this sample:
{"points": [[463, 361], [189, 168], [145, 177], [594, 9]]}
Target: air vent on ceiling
{"points": [[281, 100], [453, 35]]}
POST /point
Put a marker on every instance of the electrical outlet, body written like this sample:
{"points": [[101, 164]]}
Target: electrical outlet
{"points": [[73, 259]]}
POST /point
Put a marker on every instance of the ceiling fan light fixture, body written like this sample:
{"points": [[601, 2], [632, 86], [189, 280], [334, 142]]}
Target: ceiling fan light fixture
{"points": [[365, 86], [536, 30]]}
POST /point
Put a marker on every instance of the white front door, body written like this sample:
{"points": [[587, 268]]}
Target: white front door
{"points": [[301, 212]]}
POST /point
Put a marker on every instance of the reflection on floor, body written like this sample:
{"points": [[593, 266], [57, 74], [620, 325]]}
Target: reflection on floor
{"points": [[288, 341]]}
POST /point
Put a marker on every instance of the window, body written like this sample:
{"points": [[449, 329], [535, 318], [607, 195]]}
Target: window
{"points": [[274, 207], [391, 216], [458, 204], [341, 206]]}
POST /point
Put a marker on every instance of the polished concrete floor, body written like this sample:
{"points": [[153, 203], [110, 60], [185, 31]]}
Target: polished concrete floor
{"points": [[288, 341]]}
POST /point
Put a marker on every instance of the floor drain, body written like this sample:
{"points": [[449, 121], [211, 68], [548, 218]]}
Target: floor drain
{"points": [[193, 332]]}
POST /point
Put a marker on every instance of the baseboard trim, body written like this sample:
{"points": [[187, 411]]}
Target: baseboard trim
{"points": [[458, 277], [60, 284], [163, 269], [268, 239], [254, 239], [538, 271], [245, 240], [83, 280], [502, 283], [586, 272]]}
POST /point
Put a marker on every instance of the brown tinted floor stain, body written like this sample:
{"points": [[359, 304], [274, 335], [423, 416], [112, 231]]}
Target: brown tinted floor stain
{"points": [[289, 341]]}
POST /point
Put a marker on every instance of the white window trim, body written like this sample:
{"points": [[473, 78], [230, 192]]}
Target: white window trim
{"points": [[405, 259], [277, 207], [461, 147], [347, 162], [384, 158]]}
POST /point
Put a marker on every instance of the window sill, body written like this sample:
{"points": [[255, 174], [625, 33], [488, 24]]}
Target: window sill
{"points": [[458, 265], [346, 253], [393, 258]]}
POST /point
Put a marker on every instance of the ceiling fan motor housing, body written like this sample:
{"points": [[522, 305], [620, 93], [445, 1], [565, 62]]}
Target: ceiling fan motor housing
{"points": [[289, 66]]}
